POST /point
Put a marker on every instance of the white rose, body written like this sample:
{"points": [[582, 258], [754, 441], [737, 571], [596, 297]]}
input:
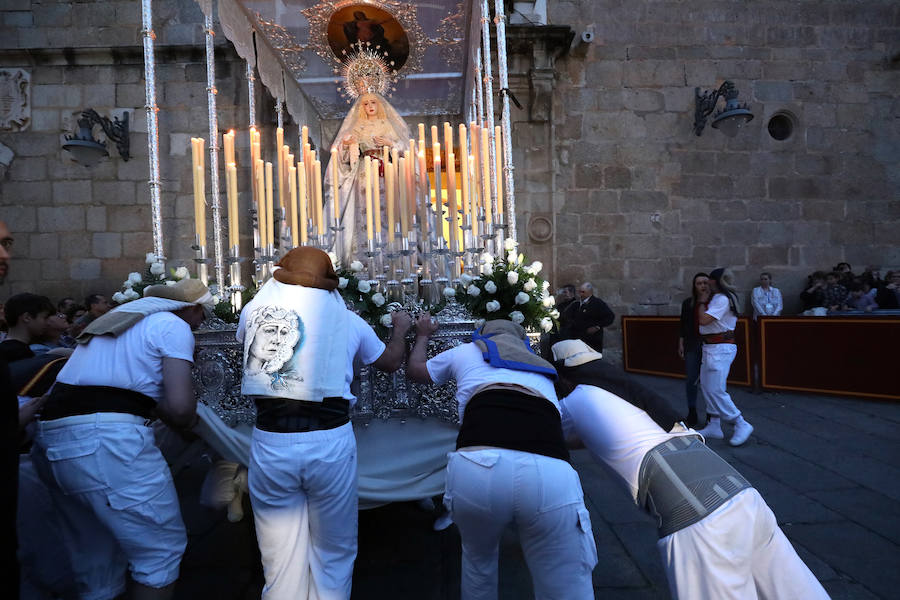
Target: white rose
{"points": [[216, 299], [479, 323], [511, 257], [150, 258], [516, 316], [378, 299], [363, 286], [130, 295], [487, 269], [492, 306], [536, 267], [135, 277], [182, 273], [490, 287], [512, 277], [119, 298], [548, 301], [545, 285], [157, 268], [356, 266], [386, 320], [171, 282], [554, 313], [127, 284], [449, 292], [522, 298], [546, 324], [465, 279], [334, 259], [529, 285], [342, 282], [487, 258], [509, 244], [473, 291]]}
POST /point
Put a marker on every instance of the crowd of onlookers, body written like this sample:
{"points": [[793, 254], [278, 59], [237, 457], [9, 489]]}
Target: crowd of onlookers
{"points": [[840, 289], [30, 324]]}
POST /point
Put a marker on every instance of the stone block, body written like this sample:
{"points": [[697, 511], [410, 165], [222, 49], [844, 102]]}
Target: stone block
{"points": [[95, 218], [823, 210], [773, 91], [776, 233], [617, 177], [61, 96], [43, 245], [45, 119], [129, 218], [643, 100], [633, 200], [36, 144], [652, 270], [764, 257], [589, 176], [52, 15], [791, 36], [54, 270], [18, 217], [636, 246], [131, 95], [137, 244], [774, 210], [72, 192], [601, 224], [127, 74], [733, 256], [677, 245], [134, 170], [106, 245], [704, 186], [28, 169], [844, 232], [60, 218], [786, 188], [25, 192], [100, 95], [750, 187], [84, 269], [25, 270], [637, 222], [740, 232], [728, 210]]}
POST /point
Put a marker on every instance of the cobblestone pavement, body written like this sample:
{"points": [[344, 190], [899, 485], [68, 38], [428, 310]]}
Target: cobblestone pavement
{"points": [[829, 467]]}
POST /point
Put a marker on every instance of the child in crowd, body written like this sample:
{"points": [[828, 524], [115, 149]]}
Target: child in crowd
{"points": [[835, 293], [858, 299]]}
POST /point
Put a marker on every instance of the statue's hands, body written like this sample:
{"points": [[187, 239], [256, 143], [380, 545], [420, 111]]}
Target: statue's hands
{"points": [[426, 325], [348, 141], [401, 321], [380, 140]]}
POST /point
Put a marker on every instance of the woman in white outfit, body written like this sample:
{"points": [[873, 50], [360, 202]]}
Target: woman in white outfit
{"points": [[717, 321], [766, 298]]}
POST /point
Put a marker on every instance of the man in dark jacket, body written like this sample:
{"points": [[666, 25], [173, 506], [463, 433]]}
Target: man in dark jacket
{"points": [[586, 319]]}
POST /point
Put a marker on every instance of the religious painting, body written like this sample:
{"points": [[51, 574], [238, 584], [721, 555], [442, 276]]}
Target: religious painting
{"points": [[371, 25], [274, 337]]}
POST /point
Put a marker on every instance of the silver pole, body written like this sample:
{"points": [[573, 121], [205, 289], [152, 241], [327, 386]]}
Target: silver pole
{"points": [[479, 88], [489, 101], [152, 125], [505, 124], [279, 113], [251, 93], [214, 147]]}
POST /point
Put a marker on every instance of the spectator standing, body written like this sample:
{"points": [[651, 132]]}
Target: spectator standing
{"points": [[835, 293], [717, 321], [27, 317], [96, 305], [689, 345], [888, 295], [588, 317], [766, 298]]}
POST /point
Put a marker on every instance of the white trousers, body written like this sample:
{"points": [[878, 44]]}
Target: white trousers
{"points": [[737, 553], [303, 492], [116, 498], [491, 488], [717, 359]]}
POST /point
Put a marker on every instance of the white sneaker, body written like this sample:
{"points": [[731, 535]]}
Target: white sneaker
{"points": [[713, 430], [742, 431]]}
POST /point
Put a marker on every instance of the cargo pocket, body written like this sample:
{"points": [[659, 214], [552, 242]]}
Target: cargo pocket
{"points": [[76, 466], [587, 538], [470, 478]]}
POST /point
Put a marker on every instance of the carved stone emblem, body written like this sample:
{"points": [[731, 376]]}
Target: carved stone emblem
{"points": [[15, 99]]}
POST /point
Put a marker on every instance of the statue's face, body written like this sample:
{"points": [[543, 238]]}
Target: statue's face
{"points": [[269, 339], [370, 105]]}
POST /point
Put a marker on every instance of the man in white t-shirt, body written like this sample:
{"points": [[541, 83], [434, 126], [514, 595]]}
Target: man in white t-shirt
{"points": [[95, 452], [511, 464], [718, 538], [300, 343], [717, 322]]}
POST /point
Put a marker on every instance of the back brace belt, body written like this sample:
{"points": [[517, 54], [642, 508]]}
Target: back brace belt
{"points": [[681, 481]]}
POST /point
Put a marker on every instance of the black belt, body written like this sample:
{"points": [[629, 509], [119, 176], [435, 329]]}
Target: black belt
{"points": [[69, 400], [283, 415]]}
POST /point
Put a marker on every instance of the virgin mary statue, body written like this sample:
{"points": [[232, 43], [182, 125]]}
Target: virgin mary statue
{"points": [[371, 124]]}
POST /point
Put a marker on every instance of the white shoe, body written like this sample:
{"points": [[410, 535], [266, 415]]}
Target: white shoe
{"points": [[742, 431], [713, 430]]}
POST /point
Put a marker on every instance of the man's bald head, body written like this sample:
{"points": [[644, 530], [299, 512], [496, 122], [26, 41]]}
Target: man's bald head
{"points": [[586, 290], [6, 242]]}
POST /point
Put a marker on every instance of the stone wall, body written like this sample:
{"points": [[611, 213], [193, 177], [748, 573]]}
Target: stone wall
{"points": [[612, 185], [639, 203]]}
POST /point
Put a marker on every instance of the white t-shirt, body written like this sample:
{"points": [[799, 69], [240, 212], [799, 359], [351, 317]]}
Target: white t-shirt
{"points": [[616, 433], [465, 363], [720, 309], [362, 344], [133, 360]]}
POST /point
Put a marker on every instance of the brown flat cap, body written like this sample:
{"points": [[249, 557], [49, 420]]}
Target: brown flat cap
{"points": [[307, 266]]}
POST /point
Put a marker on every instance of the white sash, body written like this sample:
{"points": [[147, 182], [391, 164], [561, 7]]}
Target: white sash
{"points": [[295, 343]]}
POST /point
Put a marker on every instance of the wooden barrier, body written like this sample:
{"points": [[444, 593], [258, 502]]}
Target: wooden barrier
{"points": [[650, 344], [849, 356]]}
